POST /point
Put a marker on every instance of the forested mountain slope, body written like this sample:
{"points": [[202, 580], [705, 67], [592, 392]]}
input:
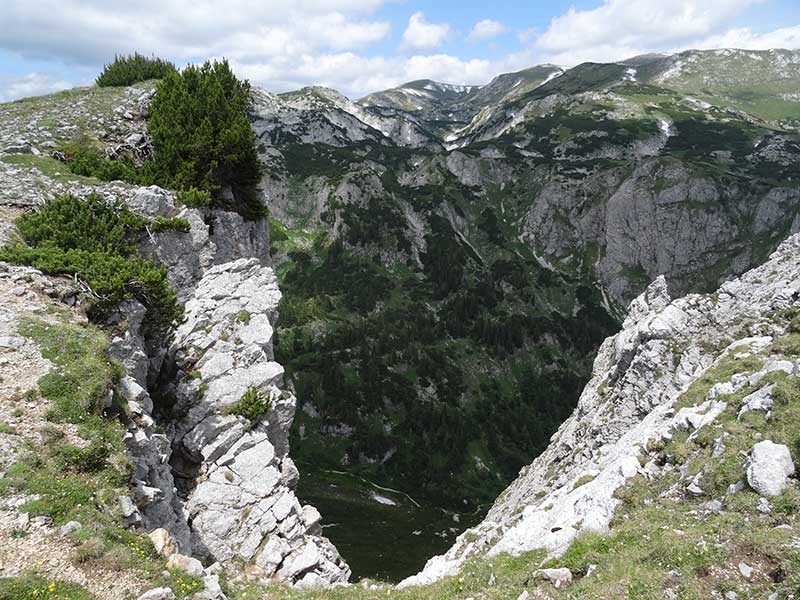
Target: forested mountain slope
{"points": [[452, 256]]}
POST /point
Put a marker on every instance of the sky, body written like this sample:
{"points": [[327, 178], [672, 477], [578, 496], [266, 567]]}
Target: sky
{"points": [[362, 46]]}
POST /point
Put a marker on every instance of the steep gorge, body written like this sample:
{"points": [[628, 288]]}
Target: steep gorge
{"points": [[451, 258]]}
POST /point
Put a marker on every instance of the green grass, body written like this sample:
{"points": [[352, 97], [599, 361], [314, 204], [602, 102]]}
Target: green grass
{"points": [[50, 167], [83, 375], [31, 586], [81, 482], [510, 575], [583, 480], [71, 482], [720, 373]]}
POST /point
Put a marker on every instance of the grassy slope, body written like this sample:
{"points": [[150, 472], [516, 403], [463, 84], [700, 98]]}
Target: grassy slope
{"points": [[81, 482], [757, 82]]}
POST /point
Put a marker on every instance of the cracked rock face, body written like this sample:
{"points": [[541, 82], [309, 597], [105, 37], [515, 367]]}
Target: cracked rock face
{"points": [[221, 485], [663, 348], [235, 475]]}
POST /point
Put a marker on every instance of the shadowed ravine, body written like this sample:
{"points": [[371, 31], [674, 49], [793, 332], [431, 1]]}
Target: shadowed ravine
{"points": [[382, 535]]}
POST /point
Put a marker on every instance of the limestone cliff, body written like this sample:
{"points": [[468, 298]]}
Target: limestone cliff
{"points": [[222, 486], [232, 479]]}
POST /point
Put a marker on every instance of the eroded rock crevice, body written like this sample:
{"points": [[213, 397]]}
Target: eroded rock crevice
{"points": [[221, 484]]}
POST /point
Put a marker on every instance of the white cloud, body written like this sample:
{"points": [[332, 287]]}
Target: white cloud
{"points": [[421, 35], [33, 84], [357, 75], [286, 45], [623, 28], [89, 32], [486, 30], [639, 23], [335, 31], [744, 38]]}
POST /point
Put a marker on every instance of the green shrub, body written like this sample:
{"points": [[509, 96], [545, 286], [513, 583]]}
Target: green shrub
{"points": [[203, 144], [202, 136], [91, 224], [127, 70], [88, 161], [170, 224], [252, 405], [94, 241], [194, 197]]}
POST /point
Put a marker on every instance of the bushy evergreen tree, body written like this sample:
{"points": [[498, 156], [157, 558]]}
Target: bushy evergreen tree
{"points": [[202, 137], [127, 70]]}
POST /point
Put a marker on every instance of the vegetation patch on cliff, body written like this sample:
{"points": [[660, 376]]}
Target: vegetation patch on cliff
{"points": [[252, 406], [95, 242], [202, 136]]}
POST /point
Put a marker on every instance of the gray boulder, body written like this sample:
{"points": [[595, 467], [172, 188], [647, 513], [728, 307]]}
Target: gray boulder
{"points": [[186, 563], [70, 527], [558, 577], [152, 201], [760, 400], [769, 468]]}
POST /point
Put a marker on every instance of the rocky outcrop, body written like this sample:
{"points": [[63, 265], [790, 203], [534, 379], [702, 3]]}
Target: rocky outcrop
{"points": [[664, 347], [235, 473], [663, 218], [221, 485]]}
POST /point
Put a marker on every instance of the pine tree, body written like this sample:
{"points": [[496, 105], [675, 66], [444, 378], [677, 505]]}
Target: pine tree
{"points": [[127, 70], [201, 133]]}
